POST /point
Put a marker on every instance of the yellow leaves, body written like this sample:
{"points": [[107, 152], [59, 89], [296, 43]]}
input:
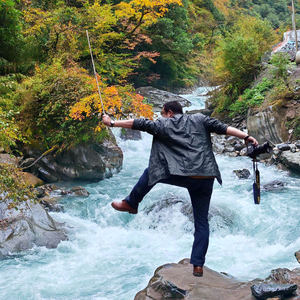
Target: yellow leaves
{"points": [[102, 18], [100, 127], [223, 6], [9, 131], [82, 108], [37, 20], [55, 29], [145, 11]]}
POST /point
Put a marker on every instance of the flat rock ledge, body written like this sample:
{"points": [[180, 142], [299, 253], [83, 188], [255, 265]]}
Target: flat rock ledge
{"points": [[176, 281]]}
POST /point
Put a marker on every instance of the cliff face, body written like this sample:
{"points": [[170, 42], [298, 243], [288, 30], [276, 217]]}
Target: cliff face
{"points": [[269, 124]]}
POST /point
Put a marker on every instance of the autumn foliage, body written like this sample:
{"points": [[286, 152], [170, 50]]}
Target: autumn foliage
{"points": [[118, 101], [163, 43], [61, 106]]}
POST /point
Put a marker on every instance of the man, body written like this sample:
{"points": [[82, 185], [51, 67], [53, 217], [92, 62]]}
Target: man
{"points": [[181, 155]]}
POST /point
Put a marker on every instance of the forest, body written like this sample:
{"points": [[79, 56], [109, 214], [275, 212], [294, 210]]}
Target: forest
{"points": [[48, 94]]}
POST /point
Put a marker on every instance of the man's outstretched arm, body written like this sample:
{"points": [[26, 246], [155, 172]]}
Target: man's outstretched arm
{"points": [[121, 123], [242, 135]]}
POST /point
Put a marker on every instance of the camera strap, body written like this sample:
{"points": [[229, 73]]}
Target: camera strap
{"points": [[256, 184]]}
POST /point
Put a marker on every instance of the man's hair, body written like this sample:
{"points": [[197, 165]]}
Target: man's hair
{"points": [[174, 106]]}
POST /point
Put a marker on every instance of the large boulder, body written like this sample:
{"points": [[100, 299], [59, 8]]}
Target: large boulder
{"points": [[264, 291], [129, 134], [31, 179], [6, 158], [176, 281], [290, 159], [268, 124], [92, 162], [26, 226], [158, 97]]}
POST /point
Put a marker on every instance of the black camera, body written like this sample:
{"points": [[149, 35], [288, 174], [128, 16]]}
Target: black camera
{"points": [[254, 151]]}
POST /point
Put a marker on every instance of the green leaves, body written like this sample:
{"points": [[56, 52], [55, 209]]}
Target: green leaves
{"points": [[251, 97], [10, 35], [281, 63]]}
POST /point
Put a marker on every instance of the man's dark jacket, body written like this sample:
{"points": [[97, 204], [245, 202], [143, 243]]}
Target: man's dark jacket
{"points": [[181, 146]]}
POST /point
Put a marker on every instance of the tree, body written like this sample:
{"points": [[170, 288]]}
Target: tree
{"points": [[14, 186], [172, 40], [53, 33], [60, 106], [10, 36], [120, 35], [239, 53]]}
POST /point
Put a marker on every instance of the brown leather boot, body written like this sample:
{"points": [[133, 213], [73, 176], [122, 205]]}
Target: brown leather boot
{"points": [[124, 206], [198, 271]]}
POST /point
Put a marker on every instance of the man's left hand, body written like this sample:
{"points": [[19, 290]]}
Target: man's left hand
{"points": [[252, 140]]}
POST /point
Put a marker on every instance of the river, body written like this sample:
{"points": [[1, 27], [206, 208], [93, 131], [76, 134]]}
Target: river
{"points": [[112, 255]]}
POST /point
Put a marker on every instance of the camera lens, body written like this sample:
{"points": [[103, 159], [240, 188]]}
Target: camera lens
{"points": [[254, 151]]}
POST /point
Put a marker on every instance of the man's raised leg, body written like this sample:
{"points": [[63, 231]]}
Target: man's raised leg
{"points": [[131, 202]]}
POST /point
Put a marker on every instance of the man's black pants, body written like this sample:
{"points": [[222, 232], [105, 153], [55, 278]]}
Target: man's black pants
{"points": [[200, 191]]}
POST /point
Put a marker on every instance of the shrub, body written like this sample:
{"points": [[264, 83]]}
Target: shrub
{"points": [[13, 185], [60, 105], [281, 63], [251, 97]]}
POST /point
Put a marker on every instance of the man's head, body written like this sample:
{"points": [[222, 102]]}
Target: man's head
{"points": [[171, 108]]}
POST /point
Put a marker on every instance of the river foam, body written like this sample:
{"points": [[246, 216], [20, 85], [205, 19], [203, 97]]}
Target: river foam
{"points": [[112, 255]]}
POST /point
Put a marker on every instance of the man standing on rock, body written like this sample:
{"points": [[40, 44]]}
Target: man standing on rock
{"points": [[181, 155]]}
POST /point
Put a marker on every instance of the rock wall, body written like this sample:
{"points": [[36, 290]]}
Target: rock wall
{"points": [[92, 162], [268, 124]]}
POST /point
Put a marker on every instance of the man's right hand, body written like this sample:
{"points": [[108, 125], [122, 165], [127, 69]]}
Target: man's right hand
{"points": [[106, 120]]}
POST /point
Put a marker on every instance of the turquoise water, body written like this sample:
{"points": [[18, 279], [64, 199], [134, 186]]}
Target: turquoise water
{"points": [[112, 255]]}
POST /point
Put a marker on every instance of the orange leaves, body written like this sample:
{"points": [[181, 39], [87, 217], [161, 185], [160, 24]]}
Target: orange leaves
{"points": [[147, 54], [119, 102], [141, 108]]}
